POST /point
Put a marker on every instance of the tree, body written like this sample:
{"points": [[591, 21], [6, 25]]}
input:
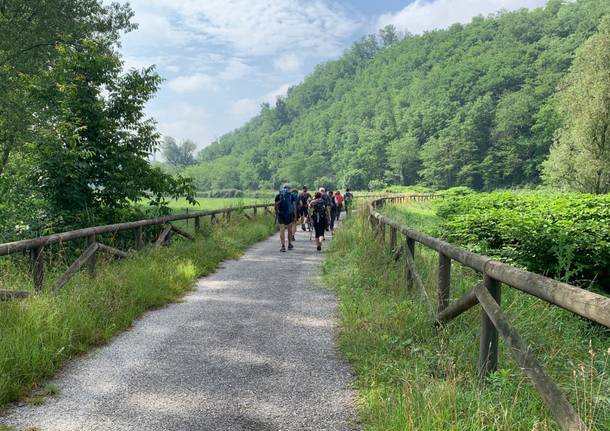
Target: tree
{"points": [[580, 158], [388, 35], [178, 155]]}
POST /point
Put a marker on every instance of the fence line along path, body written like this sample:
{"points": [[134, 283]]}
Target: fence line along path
{"points": [[487, 293], [252, 348]]}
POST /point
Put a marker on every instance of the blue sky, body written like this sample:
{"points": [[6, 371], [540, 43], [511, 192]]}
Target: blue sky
{"points": [[222, 58]]}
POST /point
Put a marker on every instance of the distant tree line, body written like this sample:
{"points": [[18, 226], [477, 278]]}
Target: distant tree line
{"points": [[478, 105]]}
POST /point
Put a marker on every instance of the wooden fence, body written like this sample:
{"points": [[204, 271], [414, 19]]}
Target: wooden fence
{"points": [[488, 293], [36, 246]]}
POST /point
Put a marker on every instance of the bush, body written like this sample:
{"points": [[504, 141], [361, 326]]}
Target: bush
{"points": [[563, 236]]}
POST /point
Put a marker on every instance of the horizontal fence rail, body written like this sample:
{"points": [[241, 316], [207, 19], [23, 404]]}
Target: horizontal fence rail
{"points": [[586, 304], [36, 246]]}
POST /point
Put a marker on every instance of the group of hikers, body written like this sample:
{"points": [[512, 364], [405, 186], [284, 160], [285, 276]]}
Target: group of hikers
{"points": [[316, 213]]}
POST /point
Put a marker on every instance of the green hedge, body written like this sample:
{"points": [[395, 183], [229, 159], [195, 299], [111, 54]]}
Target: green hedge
{"points": [[564, 236]]}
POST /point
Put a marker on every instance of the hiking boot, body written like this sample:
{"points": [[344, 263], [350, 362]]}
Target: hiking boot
{"points": [[290, 246], [303, 228], [293, 239], [319, 248], [283, 248]]}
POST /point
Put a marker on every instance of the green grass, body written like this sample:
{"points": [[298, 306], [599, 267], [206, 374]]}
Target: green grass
{"points": [[181, 205], [411, 376], [39, 334]]}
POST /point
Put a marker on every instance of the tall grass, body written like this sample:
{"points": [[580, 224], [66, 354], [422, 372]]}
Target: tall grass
{"points": [[411, 376], [39, 334]]}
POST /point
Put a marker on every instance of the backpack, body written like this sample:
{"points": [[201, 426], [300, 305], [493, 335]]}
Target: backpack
{"points": [[295, 197], [285, 203], [339, 199], [348, 198], [319, 210]]}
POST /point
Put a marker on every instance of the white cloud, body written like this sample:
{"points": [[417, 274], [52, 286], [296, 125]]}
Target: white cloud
{"points": [[259, 27], [235, 69], [289, 63], [246, 107], [421, 16], [189, 83], [154, 29]]}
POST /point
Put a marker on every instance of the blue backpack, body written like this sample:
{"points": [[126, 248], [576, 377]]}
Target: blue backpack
{"points": [[285, 206]]}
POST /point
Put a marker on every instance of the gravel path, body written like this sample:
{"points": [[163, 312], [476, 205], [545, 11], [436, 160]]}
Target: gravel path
{"points": [[251, 349]]}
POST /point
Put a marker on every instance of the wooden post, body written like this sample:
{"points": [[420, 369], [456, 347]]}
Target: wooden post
{"points": [[392, 238], [409, 247], [92, 260], [255, 210], [197, 224], [382, 232], [228, 216], [488, 341], [139, 237], [38, 266], [213, 219], [444, 281]]}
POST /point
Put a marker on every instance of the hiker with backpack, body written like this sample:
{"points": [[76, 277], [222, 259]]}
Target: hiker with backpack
{"points": [[339, 201], [304, 199], [285, 210], [333, 210], [326, 199], [319, 214], [295, 196], [348, 200]]}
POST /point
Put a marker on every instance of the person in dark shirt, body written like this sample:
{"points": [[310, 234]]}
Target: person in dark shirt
{"points": [[304, 199], [285, 211]]}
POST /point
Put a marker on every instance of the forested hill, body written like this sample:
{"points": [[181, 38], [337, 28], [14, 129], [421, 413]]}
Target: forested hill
{"points": [[471, 105]]}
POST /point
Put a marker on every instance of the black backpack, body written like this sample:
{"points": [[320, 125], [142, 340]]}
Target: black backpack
{"points": [[319, 210]]}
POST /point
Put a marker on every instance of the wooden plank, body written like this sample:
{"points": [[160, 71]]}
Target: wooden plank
{"points": [[8, 295], [560, 408], [444, 281], [18, 246], [78, 263], [139, 237], [37, 254], [488, 336], [416, 279], [111, 250], [463, 304], [163, 236], [182, 233]]}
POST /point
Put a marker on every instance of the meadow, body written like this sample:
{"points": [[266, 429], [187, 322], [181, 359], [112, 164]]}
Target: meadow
{"points": [[412, 375]]}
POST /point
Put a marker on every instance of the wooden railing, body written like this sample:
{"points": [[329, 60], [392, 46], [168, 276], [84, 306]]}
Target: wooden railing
{"points": [[488, 293], [36, 246]]}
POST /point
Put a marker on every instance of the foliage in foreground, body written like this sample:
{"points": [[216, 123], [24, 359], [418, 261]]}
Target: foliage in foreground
{"points": [[564, 236], [39, 334], [411, 376]]}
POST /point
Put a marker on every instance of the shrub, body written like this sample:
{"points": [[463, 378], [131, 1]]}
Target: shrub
{"points": [[563, 236]]}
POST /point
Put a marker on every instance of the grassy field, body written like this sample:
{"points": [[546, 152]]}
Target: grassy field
{"points": [[39, 334], [413, 376], [182, 205]]}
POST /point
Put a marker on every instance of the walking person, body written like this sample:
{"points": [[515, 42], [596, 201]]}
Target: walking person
{"points": [[304, 199], [295, 196], [339, 200], [348, 200], [285, 209], [319, 215], [333, 210]]}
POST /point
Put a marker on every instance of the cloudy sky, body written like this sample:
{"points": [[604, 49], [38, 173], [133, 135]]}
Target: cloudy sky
{"points": [[222, 58]]}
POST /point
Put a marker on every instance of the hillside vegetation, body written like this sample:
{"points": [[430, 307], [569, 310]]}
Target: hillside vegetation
{"points": [[472, 105]]}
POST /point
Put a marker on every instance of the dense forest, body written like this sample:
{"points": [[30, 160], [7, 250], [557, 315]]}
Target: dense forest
{"points": [[477, 105]]}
